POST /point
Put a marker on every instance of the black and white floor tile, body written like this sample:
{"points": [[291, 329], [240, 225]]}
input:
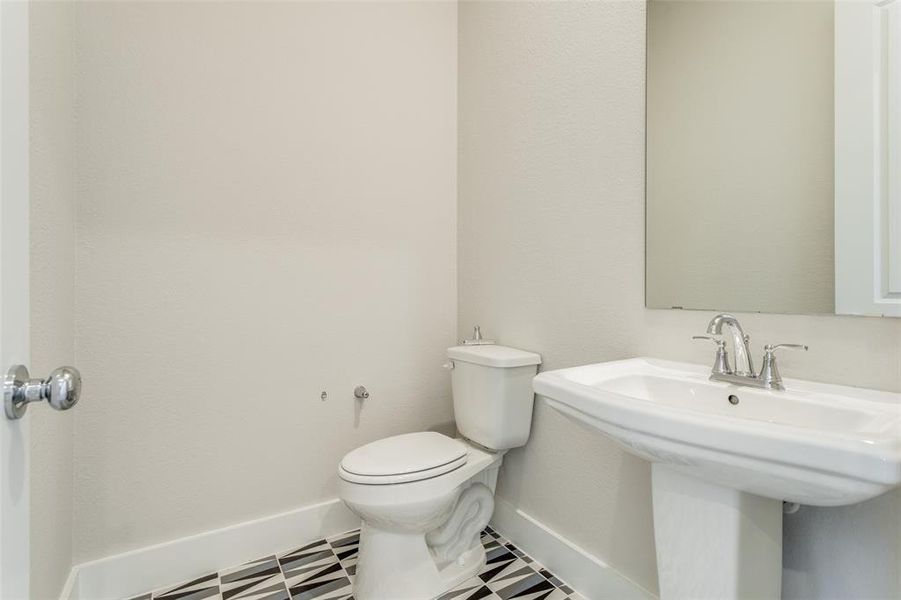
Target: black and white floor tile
{"points": [[325, 570], [510, 574]]}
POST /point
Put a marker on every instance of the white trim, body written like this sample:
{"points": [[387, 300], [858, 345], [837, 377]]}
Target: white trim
{"points": [[14, 312], [587, 574], [70, 588], [153, 567], [867, 201], [892, 43]]}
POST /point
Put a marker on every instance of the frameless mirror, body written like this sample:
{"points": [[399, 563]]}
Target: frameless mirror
{"points": [[773, 156]]}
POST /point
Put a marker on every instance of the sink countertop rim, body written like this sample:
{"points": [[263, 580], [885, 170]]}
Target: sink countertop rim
{"points": [[650, 418]]}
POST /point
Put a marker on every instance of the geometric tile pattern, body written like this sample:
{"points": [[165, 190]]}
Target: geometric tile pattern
{"points": [[314, 571], [257, 580], [510, 574], [325, 570]]}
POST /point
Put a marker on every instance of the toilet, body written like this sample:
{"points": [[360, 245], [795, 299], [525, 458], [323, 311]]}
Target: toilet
{"points": [[424, 497]]}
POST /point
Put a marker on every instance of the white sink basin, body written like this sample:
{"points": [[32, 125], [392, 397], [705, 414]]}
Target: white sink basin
{"points": [[813, 443], [721, 468]]}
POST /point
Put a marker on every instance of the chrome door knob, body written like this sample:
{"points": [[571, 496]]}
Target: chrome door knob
{"points": [[61, 390], [64, 386]]}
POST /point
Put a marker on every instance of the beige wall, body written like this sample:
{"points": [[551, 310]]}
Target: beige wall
{"points": [[551, 258], [52, 172], [740, 155], [266, 210]]}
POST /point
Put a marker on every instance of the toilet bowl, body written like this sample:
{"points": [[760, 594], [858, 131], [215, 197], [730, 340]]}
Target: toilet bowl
{"points": [[405, 553], [424, 498]]}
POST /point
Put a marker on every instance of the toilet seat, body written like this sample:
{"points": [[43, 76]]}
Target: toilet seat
{"points": [[403, 458]]}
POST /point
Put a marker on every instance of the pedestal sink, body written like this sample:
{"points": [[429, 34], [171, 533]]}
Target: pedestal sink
{"points": [[725, 458]]}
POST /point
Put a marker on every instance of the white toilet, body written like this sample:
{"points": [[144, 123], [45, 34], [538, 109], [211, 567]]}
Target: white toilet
{"points": [[424, 498]]}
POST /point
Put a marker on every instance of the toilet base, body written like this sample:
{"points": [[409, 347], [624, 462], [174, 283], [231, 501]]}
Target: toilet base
{"points": [[400, 566], [419, 540]]}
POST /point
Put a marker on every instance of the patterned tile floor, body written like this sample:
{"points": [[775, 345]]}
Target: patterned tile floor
{"points": [[325, 569]]}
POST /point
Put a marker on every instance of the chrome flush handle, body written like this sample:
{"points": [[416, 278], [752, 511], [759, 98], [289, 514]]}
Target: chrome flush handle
{"points": [[477, 339]]}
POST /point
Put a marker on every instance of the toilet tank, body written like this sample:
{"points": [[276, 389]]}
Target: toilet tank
{"points": [[493, 396]]}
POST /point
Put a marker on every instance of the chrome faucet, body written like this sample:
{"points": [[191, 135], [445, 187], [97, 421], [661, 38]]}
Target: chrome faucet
{"points": [[769, 377], [744, 365]]}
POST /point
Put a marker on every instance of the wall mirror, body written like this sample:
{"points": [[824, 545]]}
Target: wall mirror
{"points": [[774, 156]]}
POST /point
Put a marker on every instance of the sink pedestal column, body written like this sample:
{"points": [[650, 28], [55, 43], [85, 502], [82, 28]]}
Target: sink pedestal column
{"points": [[714, 542]]}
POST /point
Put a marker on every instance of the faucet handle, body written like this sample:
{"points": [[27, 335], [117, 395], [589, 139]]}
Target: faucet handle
{"points": [[770, 348], [769, 372], [719, 342], [721, 362]]}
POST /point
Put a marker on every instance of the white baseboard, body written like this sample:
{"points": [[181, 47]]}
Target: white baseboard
{"points": [[150, 568], [587, 574]]}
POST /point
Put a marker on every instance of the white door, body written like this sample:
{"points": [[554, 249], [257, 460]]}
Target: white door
{"points": [[14, 496], [868, 157]]}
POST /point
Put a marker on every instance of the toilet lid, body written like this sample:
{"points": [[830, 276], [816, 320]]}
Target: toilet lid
{"points": [[403, 458]]}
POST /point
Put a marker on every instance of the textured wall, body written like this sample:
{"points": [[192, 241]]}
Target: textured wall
{"points": [[551, 259], [52, 172], [550, 221], [266, 210], [740, 155]]}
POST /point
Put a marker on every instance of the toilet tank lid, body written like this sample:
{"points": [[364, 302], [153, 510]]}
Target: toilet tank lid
{"points": [[492, 355]]}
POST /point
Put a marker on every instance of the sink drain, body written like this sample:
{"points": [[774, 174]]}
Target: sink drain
{"points": [[733, 399]]}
